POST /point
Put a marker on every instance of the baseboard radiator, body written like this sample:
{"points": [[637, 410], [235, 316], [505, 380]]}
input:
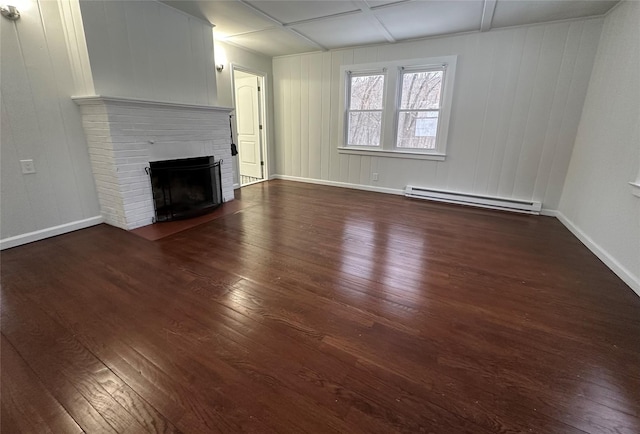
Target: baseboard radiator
{"points": [[521, 206]]}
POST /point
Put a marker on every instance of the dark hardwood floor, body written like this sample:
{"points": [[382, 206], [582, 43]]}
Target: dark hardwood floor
{"points": [[320, 309]]}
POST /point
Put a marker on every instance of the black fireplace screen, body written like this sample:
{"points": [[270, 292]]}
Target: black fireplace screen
{"points": [[185, 188]]}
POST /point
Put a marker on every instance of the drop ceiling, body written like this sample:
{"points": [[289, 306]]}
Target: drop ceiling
{"points": [[276, 28]]}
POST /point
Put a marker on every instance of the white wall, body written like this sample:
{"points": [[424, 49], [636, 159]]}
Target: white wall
{"points": [[148, 50], [144, 50], [597, 201], [517, 102], [41, 122], [232, 55]]}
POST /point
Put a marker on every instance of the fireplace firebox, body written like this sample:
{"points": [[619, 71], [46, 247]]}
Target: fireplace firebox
{"points": [[185, 188]]}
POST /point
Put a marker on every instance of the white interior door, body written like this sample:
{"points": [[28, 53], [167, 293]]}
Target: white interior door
{"points": [[248, 123]]}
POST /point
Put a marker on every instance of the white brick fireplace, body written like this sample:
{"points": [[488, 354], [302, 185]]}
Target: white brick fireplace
{"points": [[124, 135]]}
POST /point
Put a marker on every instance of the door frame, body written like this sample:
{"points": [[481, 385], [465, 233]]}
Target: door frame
{"points": [[263, 118]]}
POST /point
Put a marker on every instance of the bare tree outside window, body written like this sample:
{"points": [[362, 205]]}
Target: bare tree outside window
{"points": [[364, 116], [419, 109]]}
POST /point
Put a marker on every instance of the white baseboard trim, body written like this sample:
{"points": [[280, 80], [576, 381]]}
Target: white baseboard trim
{"points": [[549, 212], [624, 274], [339, 184], [30, 237]]}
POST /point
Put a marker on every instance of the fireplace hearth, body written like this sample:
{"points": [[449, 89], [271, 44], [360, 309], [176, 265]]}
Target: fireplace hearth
{"points": [[185, 188]]}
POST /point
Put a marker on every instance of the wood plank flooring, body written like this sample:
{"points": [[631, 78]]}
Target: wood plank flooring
{"points": [[319, 309], [154, 232]]}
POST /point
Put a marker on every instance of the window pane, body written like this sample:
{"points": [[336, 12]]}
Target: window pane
{"points": [[417, 130], [364, 129], [421, 90], [366, 92]]}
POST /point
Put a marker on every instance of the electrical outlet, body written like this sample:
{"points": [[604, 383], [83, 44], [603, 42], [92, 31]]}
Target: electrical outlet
{"points": [[374, 176], [27, 166]]}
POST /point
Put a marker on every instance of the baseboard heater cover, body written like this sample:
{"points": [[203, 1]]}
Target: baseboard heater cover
{"points": [[514, 205]]}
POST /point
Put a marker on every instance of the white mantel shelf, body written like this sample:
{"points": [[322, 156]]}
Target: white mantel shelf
{"points": [[99, 99]]}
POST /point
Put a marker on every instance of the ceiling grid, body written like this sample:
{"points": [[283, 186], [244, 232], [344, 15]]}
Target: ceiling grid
{"points": [[281, 27]]}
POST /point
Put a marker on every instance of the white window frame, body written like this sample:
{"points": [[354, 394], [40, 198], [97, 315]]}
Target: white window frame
{"points": [[401, 75], [393, 71], [348, 110]]}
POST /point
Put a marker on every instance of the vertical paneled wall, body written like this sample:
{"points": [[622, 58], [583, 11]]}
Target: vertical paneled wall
{"points": [[41, 122], [148, 50], [517, 102], [597, 201]]}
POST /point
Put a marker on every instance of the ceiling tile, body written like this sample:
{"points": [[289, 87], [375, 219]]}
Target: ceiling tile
{"points": [[420, 19], [513, 13], [342, 31], [289, 12], [229, 17], [237, 21], [274, 42]]}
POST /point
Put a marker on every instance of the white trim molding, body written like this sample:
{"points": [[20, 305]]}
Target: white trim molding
{"points": [[635, 188], [100, 99], [30, 237], [549, 212], [73, 28], [623, 273], [392, 154], [488, 10]]}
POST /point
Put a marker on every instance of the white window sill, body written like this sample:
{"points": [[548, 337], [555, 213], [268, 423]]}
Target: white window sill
{"points": [[635, 188], [392, 154]]}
